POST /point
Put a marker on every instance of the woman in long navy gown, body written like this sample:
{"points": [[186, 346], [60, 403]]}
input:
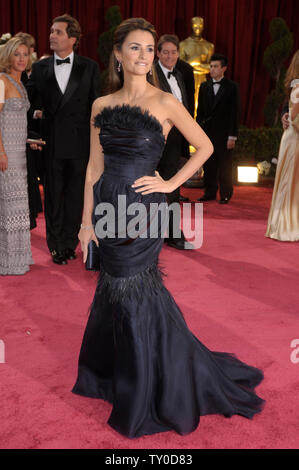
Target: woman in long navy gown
{"points": [[137, 351]]}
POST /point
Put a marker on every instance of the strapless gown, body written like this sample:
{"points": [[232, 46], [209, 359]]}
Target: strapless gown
{"points": [[137, 351]]}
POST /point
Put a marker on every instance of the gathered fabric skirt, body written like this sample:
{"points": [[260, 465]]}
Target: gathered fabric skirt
{"points": [[137, 351], [138, 354]]}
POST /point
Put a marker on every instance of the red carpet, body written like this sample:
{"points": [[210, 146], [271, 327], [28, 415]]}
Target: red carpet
{"points": [[238, 292]]}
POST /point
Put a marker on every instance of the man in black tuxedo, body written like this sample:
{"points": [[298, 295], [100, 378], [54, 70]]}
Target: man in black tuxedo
{"points": [[218, 114], [171, 80], [62, 89]]}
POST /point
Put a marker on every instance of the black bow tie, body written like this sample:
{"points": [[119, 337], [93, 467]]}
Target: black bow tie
{"points": [[63, 61], [217, 83], [172, 73]]}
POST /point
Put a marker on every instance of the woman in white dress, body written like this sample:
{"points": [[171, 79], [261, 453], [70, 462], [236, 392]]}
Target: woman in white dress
{"points": [[283, 220]]}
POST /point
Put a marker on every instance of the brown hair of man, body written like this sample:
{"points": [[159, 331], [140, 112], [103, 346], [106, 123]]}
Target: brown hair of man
{"points": [[168, 38], [73, 28]]}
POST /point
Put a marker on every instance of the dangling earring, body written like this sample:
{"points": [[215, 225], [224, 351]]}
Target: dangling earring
{"points": [[119, 67], [151, 72]]}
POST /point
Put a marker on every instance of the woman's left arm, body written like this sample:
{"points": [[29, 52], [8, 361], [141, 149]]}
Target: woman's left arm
{"points": [[183, 121]]}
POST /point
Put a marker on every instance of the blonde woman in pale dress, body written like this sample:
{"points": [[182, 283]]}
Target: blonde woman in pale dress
{"points": [[283, 220], [15, 248]]}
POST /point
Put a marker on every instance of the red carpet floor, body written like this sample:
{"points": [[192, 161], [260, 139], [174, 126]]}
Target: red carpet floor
{"points": [[239, 293]]}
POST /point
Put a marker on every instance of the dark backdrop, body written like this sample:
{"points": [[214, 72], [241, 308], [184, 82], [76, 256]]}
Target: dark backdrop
{"points": [[238, 28]]}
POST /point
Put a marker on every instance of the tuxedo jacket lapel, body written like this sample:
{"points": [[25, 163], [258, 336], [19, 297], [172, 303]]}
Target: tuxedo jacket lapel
{"points": [[55, 94], [74, 80], [164, 85], [210, 95], [182, 87]]}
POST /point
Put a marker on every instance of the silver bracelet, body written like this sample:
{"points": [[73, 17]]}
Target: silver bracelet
{"points": [[86, 227]]}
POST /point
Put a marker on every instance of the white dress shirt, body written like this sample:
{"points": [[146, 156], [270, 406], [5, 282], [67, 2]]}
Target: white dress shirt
{"points": [[217, 86], [172, 81], [63, 71]]}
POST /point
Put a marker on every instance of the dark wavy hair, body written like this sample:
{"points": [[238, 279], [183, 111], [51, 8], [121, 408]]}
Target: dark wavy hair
{"points": [[222, 58], [116, 78]]}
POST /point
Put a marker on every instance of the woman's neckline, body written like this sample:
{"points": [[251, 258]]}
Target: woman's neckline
{"points": [[18, 85], [14, 80]]}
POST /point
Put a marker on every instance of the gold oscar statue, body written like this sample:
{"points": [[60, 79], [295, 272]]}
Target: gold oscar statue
{"points": [[197, 51]]}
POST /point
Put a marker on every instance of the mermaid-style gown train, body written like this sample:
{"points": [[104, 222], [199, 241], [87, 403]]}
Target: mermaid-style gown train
{"points": [[137, 351]]}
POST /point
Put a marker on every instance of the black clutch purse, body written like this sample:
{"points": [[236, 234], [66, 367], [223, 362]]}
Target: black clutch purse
{"points": [[93, 257]]}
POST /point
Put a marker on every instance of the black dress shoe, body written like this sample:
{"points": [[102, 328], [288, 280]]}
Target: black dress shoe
{"points": [[69, 253], [224, 200], [206, 198], [184, 199], [179, 244], [58, 257]]}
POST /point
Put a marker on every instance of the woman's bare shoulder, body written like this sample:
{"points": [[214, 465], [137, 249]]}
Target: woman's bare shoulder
{"points": [[167, 99], [99, 103], [162, 99], [103, 101], [4, 79]]}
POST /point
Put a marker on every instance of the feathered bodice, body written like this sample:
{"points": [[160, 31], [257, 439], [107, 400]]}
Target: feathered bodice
{"points": [[132, 141]]}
